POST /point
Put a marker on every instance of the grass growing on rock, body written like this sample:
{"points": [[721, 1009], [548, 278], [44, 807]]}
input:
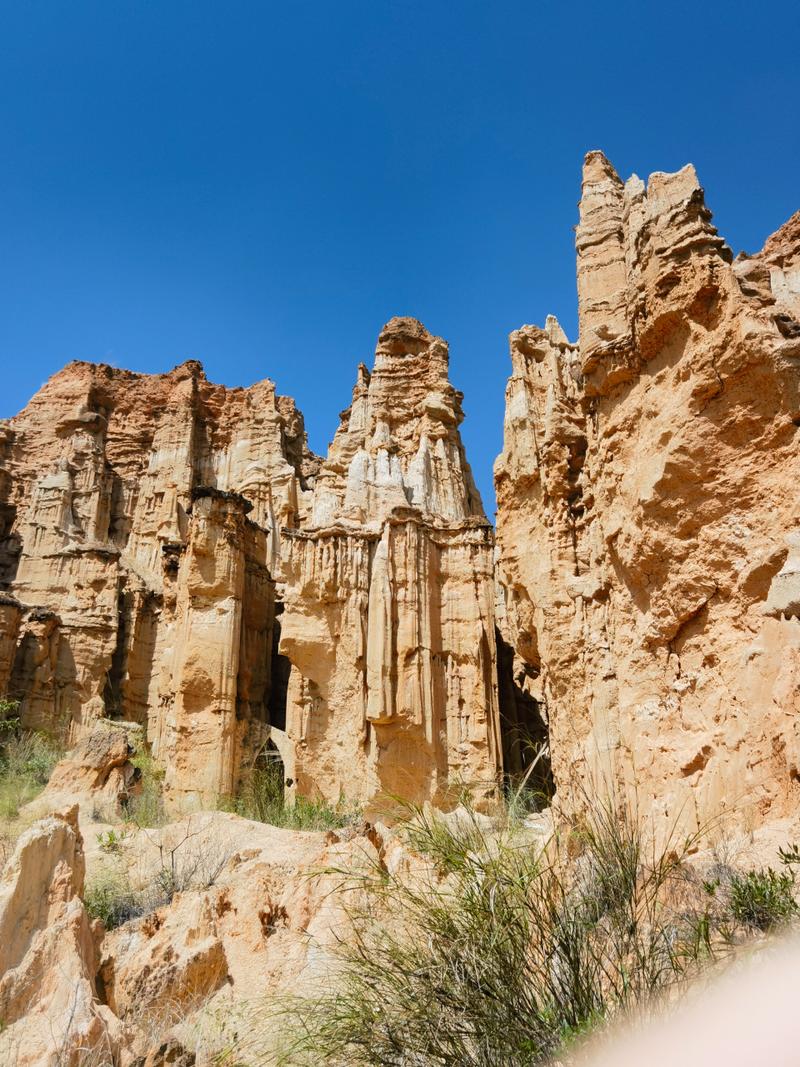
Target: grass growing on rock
{"points": [[110, 897], [146, 807], [129, 884], [759, 900], [261, 798], [499, 952], [27, 759]]}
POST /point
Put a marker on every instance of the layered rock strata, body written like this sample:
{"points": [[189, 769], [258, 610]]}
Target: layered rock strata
{"points": [[389, 621], [139, 518], [172, 555], [648, 521]]}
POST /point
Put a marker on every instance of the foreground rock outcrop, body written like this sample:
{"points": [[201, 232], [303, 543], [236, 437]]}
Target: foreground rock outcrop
{"points": [[647, 508], [229, 917], [259, 913], [48, 1003]]}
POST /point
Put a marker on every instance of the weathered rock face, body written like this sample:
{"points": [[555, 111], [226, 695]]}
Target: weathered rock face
{"points": [[171, 554], [10, 618], [97, 772], [47, 956], [389, 621], [139, 518], [265, 923], [647, 494]]}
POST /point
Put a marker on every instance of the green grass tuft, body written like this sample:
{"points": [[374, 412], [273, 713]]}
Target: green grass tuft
{"points": [[762, 899], [503, 953], [145, 808], [261, 799], [27, 760], [108, 896]]}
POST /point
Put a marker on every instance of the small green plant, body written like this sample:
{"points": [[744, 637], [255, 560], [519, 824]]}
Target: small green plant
{"points": [[145, 808], [789, 856], [261, 799], [763, 899], [112, 841], [110, 897], [8, 710], [27, 760], [184, 863]]}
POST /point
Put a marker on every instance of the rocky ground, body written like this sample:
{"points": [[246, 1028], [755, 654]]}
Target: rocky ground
{"points": [[235, 911], [142, 946]]}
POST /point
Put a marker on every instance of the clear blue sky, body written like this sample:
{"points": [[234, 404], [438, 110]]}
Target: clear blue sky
{"points": [[261, 185]]}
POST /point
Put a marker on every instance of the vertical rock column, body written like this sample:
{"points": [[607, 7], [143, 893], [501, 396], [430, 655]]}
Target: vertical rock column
{"points": [[389, 621], [212, 625], [647, 509]]}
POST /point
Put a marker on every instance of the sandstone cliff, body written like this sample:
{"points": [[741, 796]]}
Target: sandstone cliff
{"points": [[390, 594], [139, 519], [171, 554], [647, 495]]}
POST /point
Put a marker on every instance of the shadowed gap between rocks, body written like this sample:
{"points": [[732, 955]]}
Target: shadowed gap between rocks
{"points": [[523, 726]]}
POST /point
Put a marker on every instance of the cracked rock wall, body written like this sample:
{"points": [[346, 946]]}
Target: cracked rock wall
{"points": [[648, 508], [139, 518], [389, 621]]}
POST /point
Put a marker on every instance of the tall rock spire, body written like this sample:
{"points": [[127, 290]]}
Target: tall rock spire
{"points": [[398, 443], [647, 509], [389, 620]]}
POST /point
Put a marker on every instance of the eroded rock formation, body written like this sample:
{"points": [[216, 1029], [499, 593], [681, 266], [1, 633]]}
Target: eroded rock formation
{"points": [[171, 554], [140, 516], [389, 618], [648, 521], [48, 1000]]}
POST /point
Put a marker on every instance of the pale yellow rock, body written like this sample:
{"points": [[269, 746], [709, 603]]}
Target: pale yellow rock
{"points": [[647, 520], [10, 618], [48, 1004], [172, 555]]}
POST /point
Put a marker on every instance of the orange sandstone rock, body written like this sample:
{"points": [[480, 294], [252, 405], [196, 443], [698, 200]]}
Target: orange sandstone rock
{"points": [[647, 522], [389, 621]]}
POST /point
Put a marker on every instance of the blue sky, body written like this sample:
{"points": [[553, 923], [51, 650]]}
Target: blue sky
{"points": [[262, 185]]}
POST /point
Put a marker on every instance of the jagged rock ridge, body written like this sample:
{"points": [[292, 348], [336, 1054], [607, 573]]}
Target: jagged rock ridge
{"points": [[647, 522], [172, 554]]}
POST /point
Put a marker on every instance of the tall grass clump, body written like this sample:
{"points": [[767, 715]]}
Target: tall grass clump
{"points": [[261, 798], [110, 897], [145, 807], [501, 951], [27, 759]]}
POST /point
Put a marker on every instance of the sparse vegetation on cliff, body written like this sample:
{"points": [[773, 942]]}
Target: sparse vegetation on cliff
{"points": [[504, 952], [146, 807], [262, 799], [27, 759], [118, 891]]}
